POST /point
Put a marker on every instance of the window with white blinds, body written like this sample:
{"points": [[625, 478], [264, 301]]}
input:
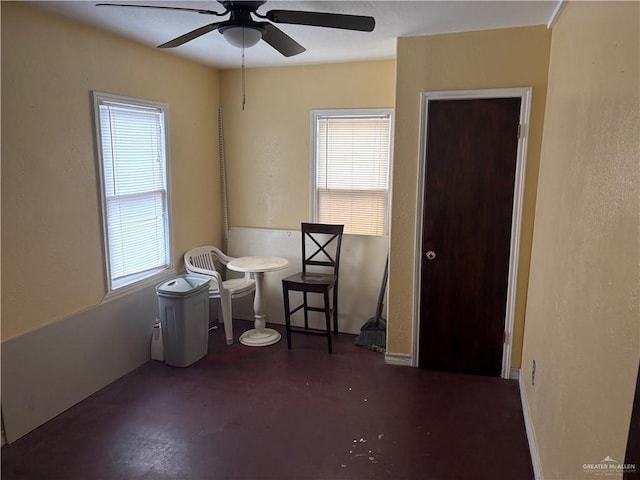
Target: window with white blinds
{"points": [[351, 156], [131, 136]]}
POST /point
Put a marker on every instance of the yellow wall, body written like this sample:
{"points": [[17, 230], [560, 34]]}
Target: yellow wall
{"points": [[583, 312], [267, 147], [515, 57], [52, 261]]}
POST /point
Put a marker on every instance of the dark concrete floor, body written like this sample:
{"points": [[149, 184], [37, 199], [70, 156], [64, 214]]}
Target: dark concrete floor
{"points": [[270, 413]]}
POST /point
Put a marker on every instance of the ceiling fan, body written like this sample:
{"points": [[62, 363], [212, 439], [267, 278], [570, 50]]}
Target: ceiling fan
{"points": [[242, 31]]}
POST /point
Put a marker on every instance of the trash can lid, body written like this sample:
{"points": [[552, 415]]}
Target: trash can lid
{"points": [[184, 285]]}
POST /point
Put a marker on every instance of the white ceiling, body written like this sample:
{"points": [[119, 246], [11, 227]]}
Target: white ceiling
{"points": [[324, 45]]}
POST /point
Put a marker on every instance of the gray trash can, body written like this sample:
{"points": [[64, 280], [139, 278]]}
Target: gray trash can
{"points": [[184, 314]]}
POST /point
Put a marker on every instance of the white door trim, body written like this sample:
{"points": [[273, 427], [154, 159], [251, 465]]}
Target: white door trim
{"points": [[524, 94]]}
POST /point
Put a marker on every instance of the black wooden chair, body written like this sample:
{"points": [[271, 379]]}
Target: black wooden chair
{"points": [[320, 251]]}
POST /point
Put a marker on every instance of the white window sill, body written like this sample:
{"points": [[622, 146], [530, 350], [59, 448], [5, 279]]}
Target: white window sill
{"points": [[138, 285]]}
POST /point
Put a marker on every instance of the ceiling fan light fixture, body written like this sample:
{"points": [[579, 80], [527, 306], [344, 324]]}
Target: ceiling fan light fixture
{"points": [[242, 37]]}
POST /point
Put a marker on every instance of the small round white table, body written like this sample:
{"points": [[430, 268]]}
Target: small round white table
{"points": [[258, 264]]}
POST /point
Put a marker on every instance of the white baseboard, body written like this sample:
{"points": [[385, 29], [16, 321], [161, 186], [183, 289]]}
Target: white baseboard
{"points": [[401, 359], [405, 360], [533, 449]]}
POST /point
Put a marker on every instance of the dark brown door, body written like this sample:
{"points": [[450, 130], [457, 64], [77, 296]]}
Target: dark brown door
{"points": [[632, 457], [471, 152]]}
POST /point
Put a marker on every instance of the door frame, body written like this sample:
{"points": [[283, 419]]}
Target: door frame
{"points": [[524, 93]]}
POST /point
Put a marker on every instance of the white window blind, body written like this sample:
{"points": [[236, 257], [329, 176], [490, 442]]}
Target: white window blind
{"points": [[351, 175], [134, 186]]}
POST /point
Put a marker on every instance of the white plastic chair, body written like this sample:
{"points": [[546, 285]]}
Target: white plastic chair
{"points": [[202, 260]]}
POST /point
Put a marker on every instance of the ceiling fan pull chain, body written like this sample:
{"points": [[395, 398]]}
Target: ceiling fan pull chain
{"points": [[243, 90]]}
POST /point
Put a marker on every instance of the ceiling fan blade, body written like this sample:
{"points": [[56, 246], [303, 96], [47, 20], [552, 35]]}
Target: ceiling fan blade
{"points": [[197, 10], [187, 37], [279, 40], [319, 19]]}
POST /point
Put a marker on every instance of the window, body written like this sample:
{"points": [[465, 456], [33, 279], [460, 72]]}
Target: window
{"points": [[132, 149], [351, 162]]}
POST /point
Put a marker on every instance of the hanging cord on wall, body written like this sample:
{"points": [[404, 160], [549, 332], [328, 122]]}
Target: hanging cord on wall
{"points": [[223, 181]]}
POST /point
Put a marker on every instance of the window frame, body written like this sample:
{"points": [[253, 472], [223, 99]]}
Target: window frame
{"points": [[154, 276], [350, 112]]}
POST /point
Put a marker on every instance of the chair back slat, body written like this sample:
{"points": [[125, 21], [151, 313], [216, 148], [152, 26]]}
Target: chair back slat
{"points": [[321, 245], [324, 264], [204, 260]]}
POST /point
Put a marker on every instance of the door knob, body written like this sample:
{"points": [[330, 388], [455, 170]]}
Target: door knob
{"points": [[430, 255]]}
